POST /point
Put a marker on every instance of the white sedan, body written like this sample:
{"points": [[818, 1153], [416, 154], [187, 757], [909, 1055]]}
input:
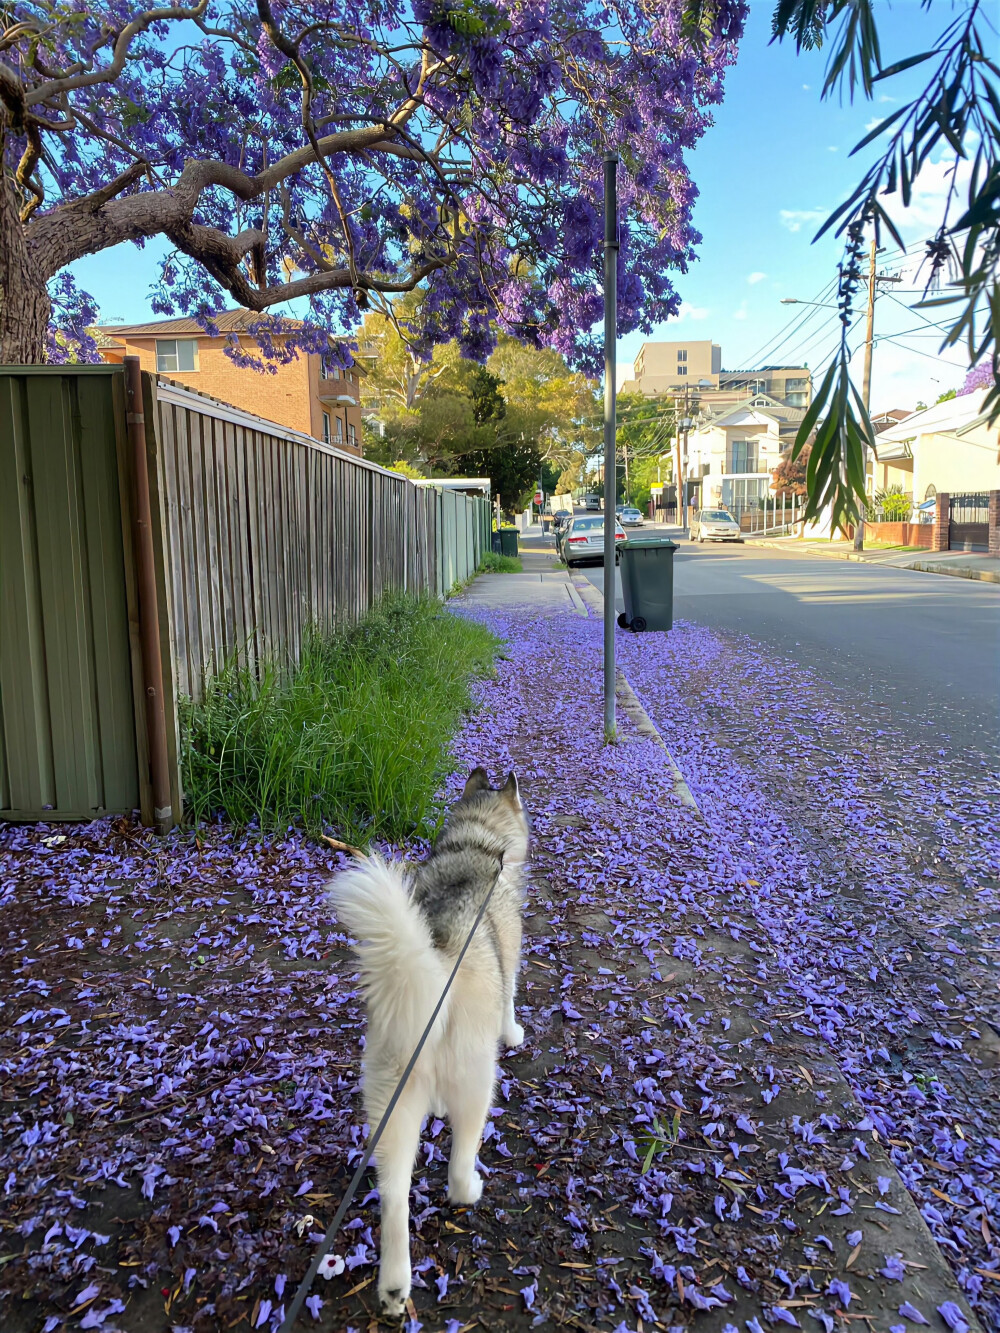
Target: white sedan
{"points": [[715, 525], [584, 540]]}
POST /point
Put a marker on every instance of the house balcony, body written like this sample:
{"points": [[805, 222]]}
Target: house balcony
{"points": [[335, 391]]}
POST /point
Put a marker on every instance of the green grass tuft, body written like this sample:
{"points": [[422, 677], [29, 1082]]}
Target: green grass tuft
{"points": [[492, 563], [355, 739]]}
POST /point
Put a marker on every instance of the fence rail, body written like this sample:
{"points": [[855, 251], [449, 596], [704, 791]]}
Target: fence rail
{"points": [[258, 533]]}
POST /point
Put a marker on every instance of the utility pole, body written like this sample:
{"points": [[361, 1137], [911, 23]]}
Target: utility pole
{"points": [[685, 454], [866, 382], [610, 431]]}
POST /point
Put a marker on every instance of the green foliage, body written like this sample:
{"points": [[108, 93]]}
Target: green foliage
{"points": [[492, 563], [947, 396], [406, 469], [891, 505], [354, 739]]}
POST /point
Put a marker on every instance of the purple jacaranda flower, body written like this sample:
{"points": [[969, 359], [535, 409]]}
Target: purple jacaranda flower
{"points": [[893, 1269], [953, 1317], [911, 1312], [839, 1289]]}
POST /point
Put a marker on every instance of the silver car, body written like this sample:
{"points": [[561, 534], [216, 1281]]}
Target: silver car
{"points": [[715, 525], [584, 539], [630, 517]]}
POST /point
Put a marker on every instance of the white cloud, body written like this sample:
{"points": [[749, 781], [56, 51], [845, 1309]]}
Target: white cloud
{"points": [[754, 278], [833, 149], [874, 123], [689, 311], [886, 98], [742, 312], [806, 87], [796, 218]]}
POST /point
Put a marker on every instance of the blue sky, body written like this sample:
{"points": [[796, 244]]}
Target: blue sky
{"points": [[773, 166], [775, 162]]}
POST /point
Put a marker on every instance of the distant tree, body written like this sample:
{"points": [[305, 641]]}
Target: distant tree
{"points": [[790, 476], [982, 376], [946, 396], [406, 469]]}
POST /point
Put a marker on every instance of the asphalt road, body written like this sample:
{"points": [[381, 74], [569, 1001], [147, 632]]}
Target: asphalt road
{"points": [[919, 650]]}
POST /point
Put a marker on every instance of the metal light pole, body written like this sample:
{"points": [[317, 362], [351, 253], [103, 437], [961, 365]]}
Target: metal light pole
{"points": [[610, 473]]}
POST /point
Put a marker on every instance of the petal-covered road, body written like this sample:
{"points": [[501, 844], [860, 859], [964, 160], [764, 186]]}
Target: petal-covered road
{"points": [[179, 1064]]}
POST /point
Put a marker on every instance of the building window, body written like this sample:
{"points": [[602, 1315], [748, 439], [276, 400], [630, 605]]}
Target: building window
{"points": [[352, 435], [326, 427], [682, 354], [682, 370], [338, 430], [176, 354], [742, 456]]}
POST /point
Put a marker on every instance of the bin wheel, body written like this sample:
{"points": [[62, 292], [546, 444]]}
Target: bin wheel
{"points": [[622, 620], [638, 625]]}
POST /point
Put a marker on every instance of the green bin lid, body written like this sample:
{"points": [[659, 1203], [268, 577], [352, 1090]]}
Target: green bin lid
{"points": [[649, 541]]}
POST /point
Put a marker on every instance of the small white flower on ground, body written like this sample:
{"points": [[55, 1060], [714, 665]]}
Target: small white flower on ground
{"points": [[332, 1266]]}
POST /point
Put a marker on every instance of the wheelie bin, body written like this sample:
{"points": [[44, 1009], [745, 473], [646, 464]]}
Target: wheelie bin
{"points": [[647, 569], [508, 541]]}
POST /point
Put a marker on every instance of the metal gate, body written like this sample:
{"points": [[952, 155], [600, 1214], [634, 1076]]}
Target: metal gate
{"points": [[969, 522]]}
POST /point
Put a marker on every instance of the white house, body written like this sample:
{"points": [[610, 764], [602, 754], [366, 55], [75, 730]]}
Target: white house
{"points": [[949, 447], [733, 454]]}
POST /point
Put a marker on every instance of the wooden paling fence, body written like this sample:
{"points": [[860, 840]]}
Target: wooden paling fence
{"points": [[257, 533]]}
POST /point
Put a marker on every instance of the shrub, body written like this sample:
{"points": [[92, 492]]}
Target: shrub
{"points": [[492, 563], [354, 739]]}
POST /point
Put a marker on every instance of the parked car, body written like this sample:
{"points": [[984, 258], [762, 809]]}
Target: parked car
{"points": [[584, 540], [561, 520], [592, 503], [630, 517], [715, 525]]}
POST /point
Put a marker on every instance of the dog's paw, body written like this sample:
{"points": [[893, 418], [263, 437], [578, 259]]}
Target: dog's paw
{"points": [[514, 1037], [393, 1297], [466, 1191]]}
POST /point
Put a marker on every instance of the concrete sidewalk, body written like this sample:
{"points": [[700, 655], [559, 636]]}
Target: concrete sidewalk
{"points": [[543, 586], [961, 564]]}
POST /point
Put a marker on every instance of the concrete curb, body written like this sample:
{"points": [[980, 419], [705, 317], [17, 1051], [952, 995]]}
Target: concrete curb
{"points": [[629, 700], [645, 726], [924, 566]]}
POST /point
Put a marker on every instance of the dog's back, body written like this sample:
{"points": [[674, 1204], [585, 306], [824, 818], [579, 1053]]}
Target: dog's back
{"points": [[410, 935]]}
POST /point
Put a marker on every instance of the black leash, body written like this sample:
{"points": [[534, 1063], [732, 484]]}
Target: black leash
{"points": [[324, 1249]]}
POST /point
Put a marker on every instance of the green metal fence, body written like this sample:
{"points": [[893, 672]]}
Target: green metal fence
{"points": [[257, 532], [68, 734]]}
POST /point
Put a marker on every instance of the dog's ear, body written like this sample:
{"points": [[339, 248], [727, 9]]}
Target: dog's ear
{"points": [[511, 791], [478, 780]]}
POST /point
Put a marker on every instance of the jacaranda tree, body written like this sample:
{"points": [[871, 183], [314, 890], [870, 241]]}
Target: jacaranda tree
{"points": [[347, 151]]}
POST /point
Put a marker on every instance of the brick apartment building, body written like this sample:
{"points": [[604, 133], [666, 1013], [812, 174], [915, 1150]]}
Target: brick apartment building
{"points": [[696, 367], [305, 394]]}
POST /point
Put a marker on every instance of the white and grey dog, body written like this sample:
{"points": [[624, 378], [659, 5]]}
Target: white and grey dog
{"points": [[410, 925]]}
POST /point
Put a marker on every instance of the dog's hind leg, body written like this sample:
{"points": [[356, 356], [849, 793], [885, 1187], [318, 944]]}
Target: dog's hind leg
{"points": [[468, 1106], [394, 1158], [512, 1033]]}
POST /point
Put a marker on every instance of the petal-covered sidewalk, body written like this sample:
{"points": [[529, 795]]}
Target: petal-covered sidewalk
{"points": [[180, 1056]]}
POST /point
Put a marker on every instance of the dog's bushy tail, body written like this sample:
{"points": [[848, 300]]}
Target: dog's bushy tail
{"points": [[402, 973]]}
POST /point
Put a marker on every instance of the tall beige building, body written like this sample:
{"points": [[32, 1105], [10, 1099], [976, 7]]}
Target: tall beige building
{"points": [[669, 367], [673, 367]]}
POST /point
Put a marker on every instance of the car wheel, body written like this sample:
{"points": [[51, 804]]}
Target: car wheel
{"points": [[701, 539]]}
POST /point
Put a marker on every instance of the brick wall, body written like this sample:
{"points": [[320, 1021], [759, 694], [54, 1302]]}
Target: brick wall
{"points": [[939, 536], [289, 397]]}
